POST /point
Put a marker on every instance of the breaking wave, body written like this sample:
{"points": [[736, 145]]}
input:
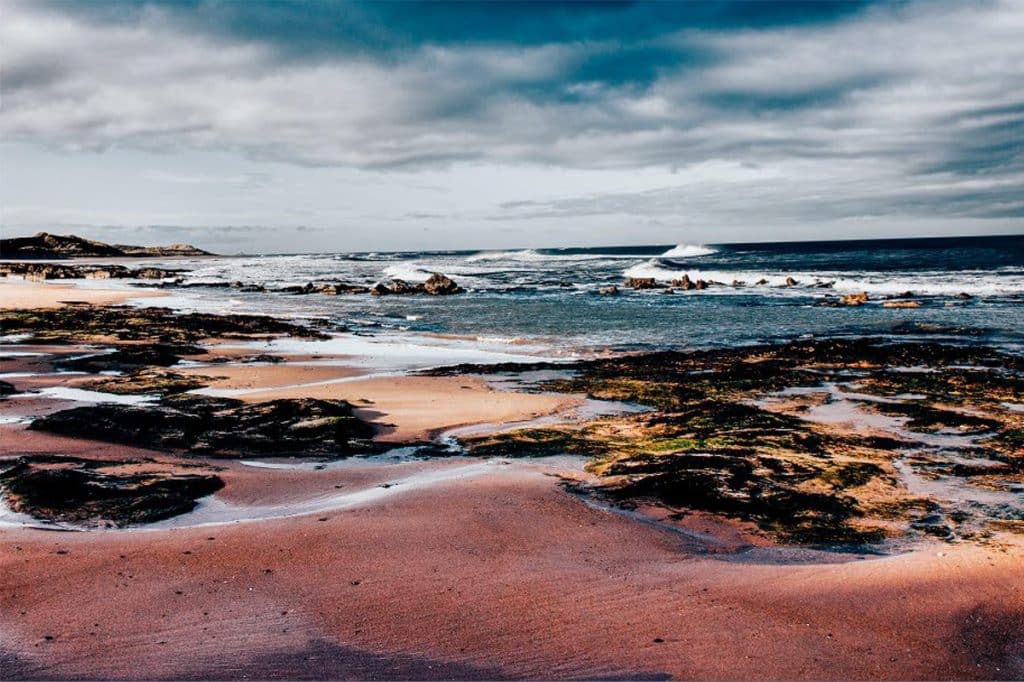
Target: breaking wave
{"points": [[976, 283], [689, 251]]}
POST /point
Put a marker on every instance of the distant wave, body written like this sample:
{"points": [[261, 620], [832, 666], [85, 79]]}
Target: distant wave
{"points": [[523, 255], [689, 251], [874, 283], [534, 256]]}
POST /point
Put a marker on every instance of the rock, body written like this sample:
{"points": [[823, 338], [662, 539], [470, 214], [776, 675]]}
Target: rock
{"points": [[854, 299], [684, 283], [338, 288], [824, 285], [761, 282], [148, 380], [130, 357], [790, 282], [47, 271], [221, 427], [101, 492], [901, 304], [609, 291], [44, 245], [738, 283], [964, 296], [86, 323], [700, 285], [7, 388], [643, 283], [439, 285]]}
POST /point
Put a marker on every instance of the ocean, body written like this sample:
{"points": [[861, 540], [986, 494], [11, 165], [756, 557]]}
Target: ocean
{"points": [[547, 298]]}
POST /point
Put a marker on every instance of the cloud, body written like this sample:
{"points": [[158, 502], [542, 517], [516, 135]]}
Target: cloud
{"points": [[909, 109]]}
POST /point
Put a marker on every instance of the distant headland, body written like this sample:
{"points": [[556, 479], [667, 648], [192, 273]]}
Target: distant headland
{"points": [[45, 245]]}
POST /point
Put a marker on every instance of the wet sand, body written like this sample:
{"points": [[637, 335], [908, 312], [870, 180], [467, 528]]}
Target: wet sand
{"points": [[17, 293], [501, 575]]}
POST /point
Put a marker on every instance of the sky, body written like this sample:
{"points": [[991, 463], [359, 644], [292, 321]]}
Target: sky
{"points": [[329, 126]]}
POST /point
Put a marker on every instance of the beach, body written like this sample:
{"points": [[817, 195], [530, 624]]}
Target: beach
{"points": [[444, 544]]}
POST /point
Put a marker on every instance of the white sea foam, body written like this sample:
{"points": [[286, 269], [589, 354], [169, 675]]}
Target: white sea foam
{"points": [[688, 251], [409, 272], [533, 256], [976, 283]]}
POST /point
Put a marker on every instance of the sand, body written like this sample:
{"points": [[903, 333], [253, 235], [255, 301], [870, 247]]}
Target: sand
{"points": [[500, 575], [412, 408], [16, 293], [452, 568]]}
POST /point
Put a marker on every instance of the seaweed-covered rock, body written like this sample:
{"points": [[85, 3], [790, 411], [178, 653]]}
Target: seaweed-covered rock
{"points": [[125, 323], [99, 492], [148, 380], [130, 357], [221, 426]]}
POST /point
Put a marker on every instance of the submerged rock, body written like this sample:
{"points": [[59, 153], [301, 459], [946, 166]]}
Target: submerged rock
{"points": [[102, 492]]}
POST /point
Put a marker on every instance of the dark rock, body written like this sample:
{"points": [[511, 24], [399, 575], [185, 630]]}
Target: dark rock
{"points": [[609, 291], [700, 285], [221, 427], [148, 380], [7, 388], [100, 492], [790, 282], [83, 323], [130, 357]]}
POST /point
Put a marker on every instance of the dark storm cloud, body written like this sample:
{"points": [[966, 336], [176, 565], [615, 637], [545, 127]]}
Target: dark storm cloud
{"points": [[877, 108]]}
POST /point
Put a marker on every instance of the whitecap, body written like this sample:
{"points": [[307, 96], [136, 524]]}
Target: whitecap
{"points": [[688, 251]]}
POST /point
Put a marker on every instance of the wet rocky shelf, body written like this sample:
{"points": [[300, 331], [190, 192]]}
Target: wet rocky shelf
{"points": [[712, 443], [102, 492]]}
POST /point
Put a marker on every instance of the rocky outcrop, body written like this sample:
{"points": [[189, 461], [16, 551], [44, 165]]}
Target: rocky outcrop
{"points": [[221, 427], [436, 285], [854, 299], [53, 246], [148, 380], [440, 285], [643, 283], [7, 388], [129, 358], [46, 271], [161, 325], [100, 492]]}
